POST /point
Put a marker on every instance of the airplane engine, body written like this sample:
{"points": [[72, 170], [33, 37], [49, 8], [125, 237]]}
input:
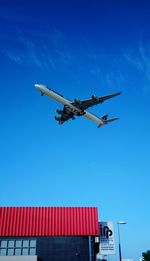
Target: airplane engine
{"points": [[59, 111], [77, 101], [94, 97], [57, 118]]}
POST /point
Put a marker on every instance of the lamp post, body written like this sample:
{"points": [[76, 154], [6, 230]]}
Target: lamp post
{"points": [[120, 223]]}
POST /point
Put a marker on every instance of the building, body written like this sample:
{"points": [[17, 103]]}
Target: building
{"points": [[48, 233]]}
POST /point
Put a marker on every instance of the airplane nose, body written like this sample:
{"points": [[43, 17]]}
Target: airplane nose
{"points": [[37, 86], [40, 88]]}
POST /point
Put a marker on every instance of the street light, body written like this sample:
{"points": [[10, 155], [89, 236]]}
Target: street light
{"points": [[120, 223]]}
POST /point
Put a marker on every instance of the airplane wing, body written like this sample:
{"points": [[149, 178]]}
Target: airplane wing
{"points": [[65, 115], [85, 104]]}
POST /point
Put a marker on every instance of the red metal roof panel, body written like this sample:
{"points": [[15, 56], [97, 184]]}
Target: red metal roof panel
{"points": [[48, 221]]}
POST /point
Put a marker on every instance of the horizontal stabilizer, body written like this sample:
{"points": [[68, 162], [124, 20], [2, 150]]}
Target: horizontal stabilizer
{"points": [[111, 120], [107, 121]]}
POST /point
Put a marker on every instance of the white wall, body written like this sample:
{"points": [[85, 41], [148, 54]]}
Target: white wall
{"points": [[18, 258]]}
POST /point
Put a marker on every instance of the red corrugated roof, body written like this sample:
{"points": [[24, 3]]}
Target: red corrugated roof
{"points": [[48, 221]]}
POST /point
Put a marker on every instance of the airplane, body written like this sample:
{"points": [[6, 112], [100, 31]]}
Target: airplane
{"points": [[77, 107]]}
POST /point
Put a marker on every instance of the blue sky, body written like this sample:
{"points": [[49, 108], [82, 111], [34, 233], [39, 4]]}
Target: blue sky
{"points": [[78, 48]]}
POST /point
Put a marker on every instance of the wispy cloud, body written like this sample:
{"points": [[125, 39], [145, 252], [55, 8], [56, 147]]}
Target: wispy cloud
{"points": [[15, 57], [52, 51], [139, 60], [49, 52], [128, 69]]}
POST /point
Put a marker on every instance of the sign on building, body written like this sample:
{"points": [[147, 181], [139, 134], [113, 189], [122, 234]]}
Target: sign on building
{"points": [[107, 243]]}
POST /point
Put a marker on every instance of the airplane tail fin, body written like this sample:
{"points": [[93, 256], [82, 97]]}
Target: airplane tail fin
{"points": [[105, 121]]}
